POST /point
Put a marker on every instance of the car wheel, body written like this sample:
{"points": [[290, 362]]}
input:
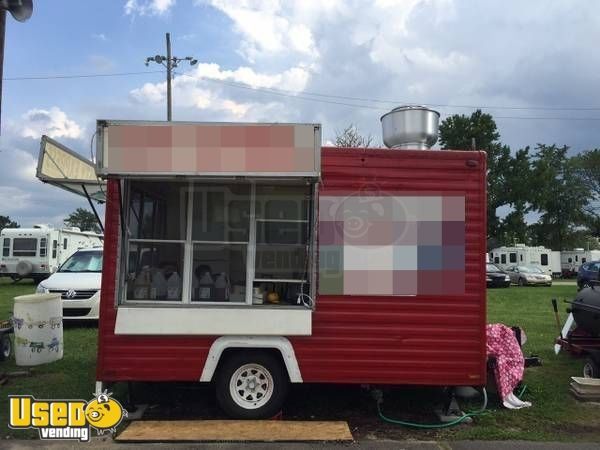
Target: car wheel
{"points": [[585, 285], [251, 385], [5, 347], [522, 282], [591, 369]]}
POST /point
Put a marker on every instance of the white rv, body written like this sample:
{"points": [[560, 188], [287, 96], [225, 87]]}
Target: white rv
{"points": [[571, 260], [37, 252], [520, 254]]}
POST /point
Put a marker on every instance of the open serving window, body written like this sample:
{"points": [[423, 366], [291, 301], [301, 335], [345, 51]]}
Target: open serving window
{"points": [[209, 248]]}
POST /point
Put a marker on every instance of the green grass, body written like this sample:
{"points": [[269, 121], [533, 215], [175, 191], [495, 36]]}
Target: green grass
{"points": [[554, 415], [71, 377]]}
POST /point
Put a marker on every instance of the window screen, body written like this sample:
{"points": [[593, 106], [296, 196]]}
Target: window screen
{"points": [[54, 248], [6, 247], [65, 242], [503, 258], [544, 259], [512, 257], [24, 247]]}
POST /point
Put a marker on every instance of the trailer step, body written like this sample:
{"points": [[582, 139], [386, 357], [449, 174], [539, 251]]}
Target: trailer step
{"points": [[234, 431]]}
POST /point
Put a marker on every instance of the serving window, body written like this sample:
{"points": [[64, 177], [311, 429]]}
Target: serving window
{"points": [[217, 244]]}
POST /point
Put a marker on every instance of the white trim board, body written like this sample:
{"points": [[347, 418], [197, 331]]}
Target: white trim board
{"points": [[213, 321]]}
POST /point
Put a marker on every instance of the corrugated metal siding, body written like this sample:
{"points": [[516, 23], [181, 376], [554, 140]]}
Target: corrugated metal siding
{"points": [[404, 340], [392, 340]]}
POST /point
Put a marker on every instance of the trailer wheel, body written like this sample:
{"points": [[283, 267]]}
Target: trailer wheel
{"points": [[591, 369], [251, 385], [5, 347], [522, 282]]}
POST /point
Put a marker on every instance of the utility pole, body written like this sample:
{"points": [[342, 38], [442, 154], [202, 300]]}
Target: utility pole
{"points": [[21, 10], [169, 70], [169, 62]]}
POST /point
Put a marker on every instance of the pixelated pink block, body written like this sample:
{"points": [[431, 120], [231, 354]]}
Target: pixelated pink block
{"points": [[159, 136], [453, 209], [208, 136]]}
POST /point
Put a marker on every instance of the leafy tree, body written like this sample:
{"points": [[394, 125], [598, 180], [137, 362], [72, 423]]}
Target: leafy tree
{"points": [[587, 167], [514, 185], [351, 137], [6, 222], [457, 133], [83, 219], [559, 195]]}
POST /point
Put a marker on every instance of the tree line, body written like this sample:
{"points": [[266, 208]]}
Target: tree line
{"points": [[82, 218], [561, 190]]}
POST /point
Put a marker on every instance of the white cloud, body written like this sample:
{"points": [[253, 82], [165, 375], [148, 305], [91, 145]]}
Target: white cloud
{"points": [[148, 7], [53, 122], [266, 26], [194, 89], [99, 37]]}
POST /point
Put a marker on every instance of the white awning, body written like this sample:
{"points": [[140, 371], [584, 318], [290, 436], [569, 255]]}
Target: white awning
{"points": [[66, 169]]}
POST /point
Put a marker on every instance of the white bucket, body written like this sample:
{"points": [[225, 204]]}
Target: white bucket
{"points": [[38, 326]]}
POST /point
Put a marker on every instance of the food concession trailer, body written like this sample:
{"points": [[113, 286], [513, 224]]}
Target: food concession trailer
{"points": [[250, 256]]}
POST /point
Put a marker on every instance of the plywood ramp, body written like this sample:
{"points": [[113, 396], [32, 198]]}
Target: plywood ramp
{"points": [[235, 430]]}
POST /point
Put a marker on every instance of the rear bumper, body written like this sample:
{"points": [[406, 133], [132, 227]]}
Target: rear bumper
{"points": [[538, 282]]}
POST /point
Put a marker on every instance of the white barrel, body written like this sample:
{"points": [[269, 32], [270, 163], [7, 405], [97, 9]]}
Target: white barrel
{"points": [[38, 326]]}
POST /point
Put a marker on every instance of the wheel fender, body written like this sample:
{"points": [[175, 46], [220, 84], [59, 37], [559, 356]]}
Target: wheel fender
{"points": [[283, 345]]}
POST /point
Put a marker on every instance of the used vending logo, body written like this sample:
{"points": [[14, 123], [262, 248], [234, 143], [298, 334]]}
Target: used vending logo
{"points": [[66, 419]]}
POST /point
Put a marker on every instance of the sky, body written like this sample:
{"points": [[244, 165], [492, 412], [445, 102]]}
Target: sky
{"points": [[533, 65]]}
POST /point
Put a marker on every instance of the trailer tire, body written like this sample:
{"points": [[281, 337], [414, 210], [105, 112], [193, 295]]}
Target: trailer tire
{"points": [[24, 268], [251, 385], [591, 369], [5, 347], [522, 282]]}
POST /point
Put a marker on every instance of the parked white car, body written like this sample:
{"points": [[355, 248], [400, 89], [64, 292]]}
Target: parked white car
{"points": [[78, 281]]}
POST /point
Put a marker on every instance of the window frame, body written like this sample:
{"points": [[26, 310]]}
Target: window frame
{"points": [[35, 251], [6, 248], [43, 247], [189, 243]]}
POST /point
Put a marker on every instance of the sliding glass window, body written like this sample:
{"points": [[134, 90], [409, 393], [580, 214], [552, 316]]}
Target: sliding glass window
{"points": [[157, 222]]}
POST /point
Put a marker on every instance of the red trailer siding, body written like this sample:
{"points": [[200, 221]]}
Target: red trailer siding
{"points": [[425, 340]]}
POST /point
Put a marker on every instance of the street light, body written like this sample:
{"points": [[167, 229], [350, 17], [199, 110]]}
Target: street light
{"points": [[169, 62]]}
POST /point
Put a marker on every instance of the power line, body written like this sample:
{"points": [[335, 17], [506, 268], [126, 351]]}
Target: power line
{"points": [[405, 102], [302, 96], [324, 98], [90, 75]]}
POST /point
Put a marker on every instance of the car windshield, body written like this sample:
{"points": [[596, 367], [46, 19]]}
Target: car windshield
{"points": [[83, 262], [492, 268]]}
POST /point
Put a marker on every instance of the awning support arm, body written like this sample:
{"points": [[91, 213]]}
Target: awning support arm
{"points": [[93, 207]]}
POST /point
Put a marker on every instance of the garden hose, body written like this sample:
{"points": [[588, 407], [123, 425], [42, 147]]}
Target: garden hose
{"points": [[479, 412]]}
